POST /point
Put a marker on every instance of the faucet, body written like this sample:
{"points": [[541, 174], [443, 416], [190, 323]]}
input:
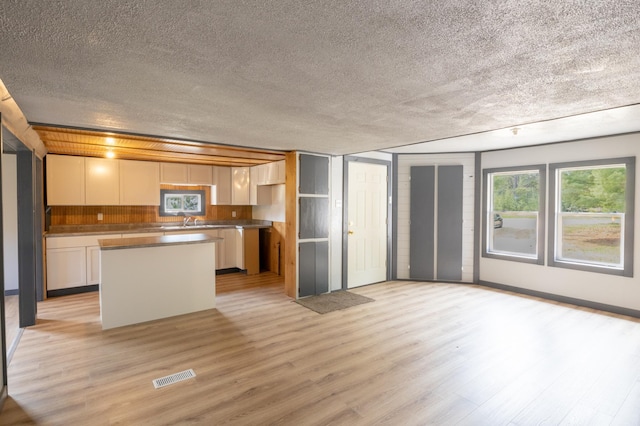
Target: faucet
{"points": [[195, 222], [186, 220]]}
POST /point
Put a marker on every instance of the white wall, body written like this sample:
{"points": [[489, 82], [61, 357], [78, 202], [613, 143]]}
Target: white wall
{"points": [[335, 233], [405, 161], [602, 288], [10, 220], [274, 211]]}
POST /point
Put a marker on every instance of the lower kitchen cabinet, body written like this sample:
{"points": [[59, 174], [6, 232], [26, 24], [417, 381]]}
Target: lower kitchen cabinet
{"points": [[93, 265], [66, 268], [73, 261]]}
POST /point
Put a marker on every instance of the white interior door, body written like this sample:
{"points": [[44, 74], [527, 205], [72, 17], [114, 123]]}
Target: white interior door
{"points": [[367, 224]]}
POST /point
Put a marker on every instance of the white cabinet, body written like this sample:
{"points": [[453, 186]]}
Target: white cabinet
{"points": [[102, 182], [240, 181], [190, 174], [258, 194], [200, 174], [73, 261], [139, 183], [80, 181], [93, 265], [221, 187], [274, 173], [66, 268], [65, 180], [226, 249], [174, 173]]}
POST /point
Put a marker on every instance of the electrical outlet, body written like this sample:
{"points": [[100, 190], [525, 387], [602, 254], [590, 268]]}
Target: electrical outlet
{"points": [[99, 216], [233, 213]]}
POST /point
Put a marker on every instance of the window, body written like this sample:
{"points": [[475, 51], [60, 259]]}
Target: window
{"points": [[514, 213], [182, 202], [592, 206]]}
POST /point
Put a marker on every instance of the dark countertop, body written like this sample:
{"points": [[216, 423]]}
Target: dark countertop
{"points": [[129, 228], [167, 240]]}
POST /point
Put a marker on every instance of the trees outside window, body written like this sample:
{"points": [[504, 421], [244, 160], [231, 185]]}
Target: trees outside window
{"points": [[514, 212], [593, 215]]}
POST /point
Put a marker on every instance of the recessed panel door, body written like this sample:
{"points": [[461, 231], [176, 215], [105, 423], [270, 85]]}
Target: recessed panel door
{"points": [[367, 224]]}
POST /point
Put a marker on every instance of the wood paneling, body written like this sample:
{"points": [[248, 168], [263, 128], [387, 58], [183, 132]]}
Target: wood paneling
{"points": [[291, 218], [89, 143], [421, 353], [277, 247]]}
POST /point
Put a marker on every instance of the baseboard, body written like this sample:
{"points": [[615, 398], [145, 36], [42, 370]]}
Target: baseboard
{"points": [[73, 290], [13, 292], [227, 271], [564, 299]]}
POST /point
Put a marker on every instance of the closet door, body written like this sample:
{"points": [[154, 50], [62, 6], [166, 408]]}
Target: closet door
{"points": [[449, 228], [436, 223], [422, 228]]}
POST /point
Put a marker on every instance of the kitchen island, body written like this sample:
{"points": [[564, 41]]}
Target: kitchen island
{"points": [[148, 278]]}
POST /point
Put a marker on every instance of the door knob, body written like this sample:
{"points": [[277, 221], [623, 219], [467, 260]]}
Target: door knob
{"points": [[350, 232]]}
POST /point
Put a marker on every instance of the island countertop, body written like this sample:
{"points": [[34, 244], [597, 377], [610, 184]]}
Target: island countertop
{"points": [[166, 240]]}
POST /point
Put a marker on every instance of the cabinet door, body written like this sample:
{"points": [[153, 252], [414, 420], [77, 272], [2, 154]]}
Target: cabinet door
{"points": [[102, 182], [280, 172], [228, 248], [221, 188], [240, 177], [66, 268], [174, 173], [253, 186], [139, 183], [200, 175], [93, 265], [65, 180]]}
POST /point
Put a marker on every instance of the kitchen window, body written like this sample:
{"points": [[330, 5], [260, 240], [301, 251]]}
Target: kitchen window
{"points": [[592, 205], [514, 213], [182, 202]]}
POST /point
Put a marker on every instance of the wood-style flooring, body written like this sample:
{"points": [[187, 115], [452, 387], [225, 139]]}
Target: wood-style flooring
{"points": [[422, 353]]}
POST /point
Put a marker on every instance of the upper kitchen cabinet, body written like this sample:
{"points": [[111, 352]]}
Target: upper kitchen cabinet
{"points": [[139, 183], [174, 173], [189, 174], [274, 173], [221, 188], [200, 174], [240, 181], [102, 182], [65, 180]]}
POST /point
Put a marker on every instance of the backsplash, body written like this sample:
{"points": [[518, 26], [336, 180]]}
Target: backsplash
{"points": [[88, 215]]}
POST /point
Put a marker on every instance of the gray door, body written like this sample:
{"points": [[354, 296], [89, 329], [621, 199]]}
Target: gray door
{"points": [[436, 223]]}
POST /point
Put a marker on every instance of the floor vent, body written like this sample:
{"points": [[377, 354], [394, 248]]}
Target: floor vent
{"points": [[174, 378]]}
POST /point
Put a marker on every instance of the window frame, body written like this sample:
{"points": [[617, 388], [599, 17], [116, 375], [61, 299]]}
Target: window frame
{"points": [[181, 193], [554, 193], [486, 223]]}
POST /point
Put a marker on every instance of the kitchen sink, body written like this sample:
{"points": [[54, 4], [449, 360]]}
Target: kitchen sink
{"points": [[181, 227]]}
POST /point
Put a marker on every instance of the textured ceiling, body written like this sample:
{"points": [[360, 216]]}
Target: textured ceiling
{"points": [[325, 76]]}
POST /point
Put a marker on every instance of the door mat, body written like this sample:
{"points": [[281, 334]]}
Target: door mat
{"points": [[335, 301]]}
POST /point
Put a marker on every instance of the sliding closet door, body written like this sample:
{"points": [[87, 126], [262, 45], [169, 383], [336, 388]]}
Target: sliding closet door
{"points": [[449, 223], [422, 229], [436, 223]]}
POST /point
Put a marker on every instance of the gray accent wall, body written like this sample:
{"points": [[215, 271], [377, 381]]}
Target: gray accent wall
{"points": [[313, 225]]}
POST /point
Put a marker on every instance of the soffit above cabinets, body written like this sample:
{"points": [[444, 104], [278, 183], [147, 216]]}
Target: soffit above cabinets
{"points": [[89, 143]]}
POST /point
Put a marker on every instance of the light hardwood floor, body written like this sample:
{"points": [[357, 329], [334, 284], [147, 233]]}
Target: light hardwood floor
{"points": [[420, 354]]}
